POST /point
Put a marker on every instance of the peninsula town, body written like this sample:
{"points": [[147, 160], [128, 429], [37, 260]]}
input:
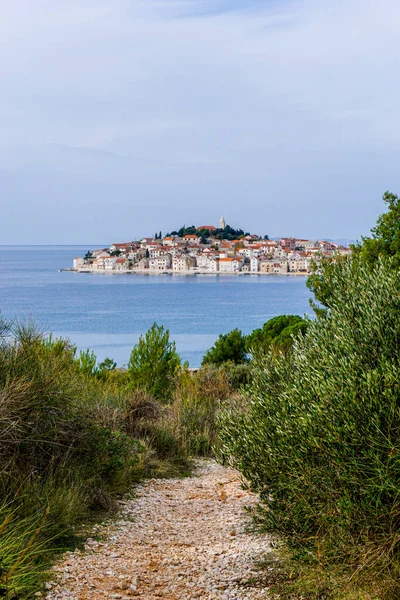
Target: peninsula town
{"points": [[209, 250]]}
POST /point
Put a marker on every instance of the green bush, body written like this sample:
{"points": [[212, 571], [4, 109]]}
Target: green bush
{"points": [[154, 362], [228, 347], [277, 334], [317, 432]]}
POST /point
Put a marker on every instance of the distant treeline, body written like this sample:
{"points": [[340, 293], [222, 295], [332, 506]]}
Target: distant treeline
{"points": [[228, 233]]}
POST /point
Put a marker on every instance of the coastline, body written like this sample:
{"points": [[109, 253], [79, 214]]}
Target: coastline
{"points": [[181, 273]]}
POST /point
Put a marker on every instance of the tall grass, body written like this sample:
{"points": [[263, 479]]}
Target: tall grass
{"points": [[72, 438]]}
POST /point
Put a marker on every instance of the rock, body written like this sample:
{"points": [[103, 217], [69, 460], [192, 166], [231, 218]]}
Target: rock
{"points": [[180, 538]]}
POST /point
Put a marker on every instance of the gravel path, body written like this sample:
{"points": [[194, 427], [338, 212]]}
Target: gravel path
{"points": [[178, 539]]}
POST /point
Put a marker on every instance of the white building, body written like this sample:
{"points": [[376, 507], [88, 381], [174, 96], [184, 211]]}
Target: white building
{"points": [[160, 263], [254, 264], [121, 264], [78, 263], [183, 263], [229, 265], [109, 263]]}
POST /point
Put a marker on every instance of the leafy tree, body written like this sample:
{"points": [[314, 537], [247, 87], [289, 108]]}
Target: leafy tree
{"points": [[187, 231], [228, 347], [229, 233], [153, 363], [88, 255], [116, 252], [203, 232], [277, 334]]}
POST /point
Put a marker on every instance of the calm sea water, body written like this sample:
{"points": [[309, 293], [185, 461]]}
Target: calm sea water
{"points": [[107, 313]]}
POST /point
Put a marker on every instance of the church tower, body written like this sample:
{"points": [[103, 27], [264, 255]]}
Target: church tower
{"points": [[222, 223]]}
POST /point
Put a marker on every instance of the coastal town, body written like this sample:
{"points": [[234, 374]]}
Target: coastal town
{"points": [[210, 250]]}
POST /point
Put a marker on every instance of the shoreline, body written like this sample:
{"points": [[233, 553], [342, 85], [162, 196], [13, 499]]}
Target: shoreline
{"points": [[180, 273]]}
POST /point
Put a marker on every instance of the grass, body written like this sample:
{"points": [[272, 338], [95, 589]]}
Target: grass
{"points": [[73, 439]]}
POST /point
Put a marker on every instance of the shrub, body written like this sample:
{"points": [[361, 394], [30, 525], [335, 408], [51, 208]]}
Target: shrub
{"points": [[154, 362], [277, 334], [228, 347], [317, 432]]}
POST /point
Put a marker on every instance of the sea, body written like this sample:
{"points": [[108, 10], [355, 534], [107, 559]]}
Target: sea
{"points": [[108, 312]]}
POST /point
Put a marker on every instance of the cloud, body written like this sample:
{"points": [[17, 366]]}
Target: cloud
{"points": [[280, 113]]}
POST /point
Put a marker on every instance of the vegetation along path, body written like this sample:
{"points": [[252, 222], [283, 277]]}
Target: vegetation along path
{"points": [[177, 539]]}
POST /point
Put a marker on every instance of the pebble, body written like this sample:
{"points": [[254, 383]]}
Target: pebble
{"points": [[178, 539]]}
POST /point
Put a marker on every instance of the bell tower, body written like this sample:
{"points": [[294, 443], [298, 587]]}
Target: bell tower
{"points": [[222, 223]]}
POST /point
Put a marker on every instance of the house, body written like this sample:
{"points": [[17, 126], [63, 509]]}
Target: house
{"points": [[229, 265], [204, 261], [209, 228], [99, 263], [214, 264], [183, 262], [160, 263], [254, 264], [143, 263], [310, 244], [288, 243], [119, 247], [121, 264], [298, 264], [157, 251], [109, 263], [78, 263], [269, 266], [144, 242], [99, 252], [169, 240], [192, 239]]}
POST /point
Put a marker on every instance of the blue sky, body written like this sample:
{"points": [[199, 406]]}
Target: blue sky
{"points": [[119, 118]]}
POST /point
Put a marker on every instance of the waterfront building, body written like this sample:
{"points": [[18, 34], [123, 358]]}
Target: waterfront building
{"points": [[161, 263], [183, 263], [229, 265], [78, 263], [254, 264]]}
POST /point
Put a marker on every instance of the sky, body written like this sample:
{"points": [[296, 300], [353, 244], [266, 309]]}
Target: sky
{"points": [[119, 118]]}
